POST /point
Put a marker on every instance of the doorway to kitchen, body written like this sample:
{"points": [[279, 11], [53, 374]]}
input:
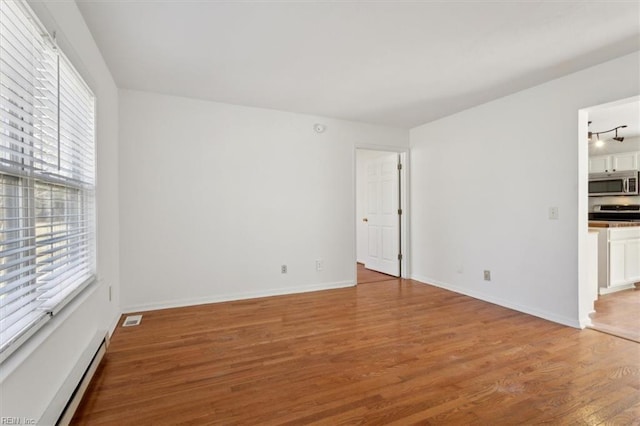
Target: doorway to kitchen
{"points": [[380, 214], [609, 209]]}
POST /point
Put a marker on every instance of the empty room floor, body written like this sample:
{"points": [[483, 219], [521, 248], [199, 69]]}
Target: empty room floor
{"points": [[389, 352], [369, 276], [618, 314]]}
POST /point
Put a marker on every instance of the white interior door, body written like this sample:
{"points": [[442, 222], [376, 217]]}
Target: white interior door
{"points": [[382, 204]]}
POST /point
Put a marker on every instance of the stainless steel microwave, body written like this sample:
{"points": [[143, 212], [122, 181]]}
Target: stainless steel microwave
{"points": [[614, 183]]}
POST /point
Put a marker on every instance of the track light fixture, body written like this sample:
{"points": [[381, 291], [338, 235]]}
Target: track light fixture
{"points": [[595, 136], [616, 138]]}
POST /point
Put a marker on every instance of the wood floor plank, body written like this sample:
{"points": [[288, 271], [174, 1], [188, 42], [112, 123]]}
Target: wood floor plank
{"points": [[618, 314], [370, 276], [387, 352]]}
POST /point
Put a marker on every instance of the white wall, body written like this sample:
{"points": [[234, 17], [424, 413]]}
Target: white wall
{"points": [[484, 179], [32, 376], [215, 197]]}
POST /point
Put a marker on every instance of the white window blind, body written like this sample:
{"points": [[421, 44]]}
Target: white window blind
{"points": [[47, 177]]}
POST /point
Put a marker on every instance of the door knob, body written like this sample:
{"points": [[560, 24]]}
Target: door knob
{"points": [[364, 219]]}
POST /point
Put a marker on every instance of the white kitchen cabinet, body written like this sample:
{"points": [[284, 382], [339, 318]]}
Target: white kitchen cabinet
{"points": [[622, 161], [632, 260], [599, 164], [618, 258]]}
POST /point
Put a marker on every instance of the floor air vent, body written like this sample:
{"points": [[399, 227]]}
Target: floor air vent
{"points": [[132, 320]]}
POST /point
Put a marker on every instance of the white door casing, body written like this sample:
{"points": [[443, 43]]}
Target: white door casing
{"points": [[382, 204]]}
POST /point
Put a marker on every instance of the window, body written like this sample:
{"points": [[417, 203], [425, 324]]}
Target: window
{"points": [[47, 178]]}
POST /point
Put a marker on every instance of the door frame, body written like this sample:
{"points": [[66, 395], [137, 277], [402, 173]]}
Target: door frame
{"points": [[585, 305], [405, 243]]}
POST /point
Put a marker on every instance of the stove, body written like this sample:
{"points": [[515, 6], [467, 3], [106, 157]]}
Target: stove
{"points": [[616, 212]]}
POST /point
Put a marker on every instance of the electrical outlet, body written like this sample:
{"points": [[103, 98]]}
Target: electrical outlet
{"points": [[283, 269], [553, 213], [319, 265], [487, 275]]}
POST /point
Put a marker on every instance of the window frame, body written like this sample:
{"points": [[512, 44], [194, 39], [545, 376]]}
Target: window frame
{"points": [[28, 177]]}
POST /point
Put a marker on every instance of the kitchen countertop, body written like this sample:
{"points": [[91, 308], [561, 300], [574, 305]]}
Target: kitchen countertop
{"points": [[611, 224]]}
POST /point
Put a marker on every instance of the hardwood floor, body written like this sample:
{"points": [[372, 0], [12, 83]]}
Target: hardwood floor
{"points": [[619, 314], [368, 276], [389, 352]]}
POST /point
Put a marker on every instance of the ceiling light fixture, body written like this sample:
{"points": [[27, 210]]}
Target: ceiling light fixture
{"points": [[595, 136], [616, 138]]}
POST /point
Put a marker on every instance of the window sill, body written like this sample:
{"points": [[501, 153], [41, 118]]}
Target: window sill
{"points": [[34, 338]]}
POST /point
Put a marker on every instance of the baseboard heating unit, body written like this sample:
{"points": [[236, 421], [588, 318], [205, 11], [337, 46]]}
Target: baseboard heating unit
{"points": [[76, 384]]}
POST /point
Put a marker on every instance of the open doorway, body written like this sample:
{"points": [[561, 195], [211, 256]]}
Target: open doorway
{"points": [[610, 204], [380, 214]]}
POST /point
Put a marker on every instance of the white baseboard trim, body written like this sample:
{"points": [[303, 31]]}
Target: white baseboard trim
{"points": [[605, 290], [235, 296], [570, 322], [113, 326], [585, 322]]}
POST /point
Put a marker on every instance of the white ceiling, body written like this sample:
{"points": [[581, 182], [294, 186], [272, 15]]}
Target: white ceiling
{"points": [[399, 63]]}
